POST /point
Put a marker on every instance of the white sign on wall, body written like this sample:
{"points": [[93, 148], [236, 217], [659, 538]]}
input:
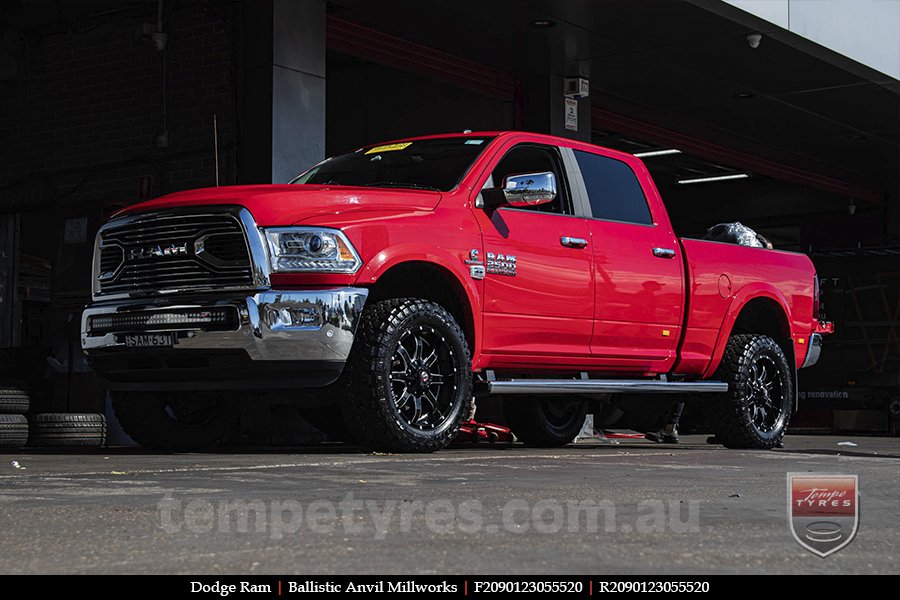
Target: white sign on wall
{"points": [[571, 114]]}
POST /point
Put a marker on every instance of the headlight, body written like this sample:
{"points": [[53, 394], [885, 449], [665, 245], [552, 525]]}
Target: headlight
{"points": [[309, 249]]}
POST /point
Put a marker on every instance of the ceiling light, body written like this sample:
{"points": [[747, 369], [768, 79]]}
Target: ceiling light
{"points": [[663, 152], [542, 23], [714, 178], [744, 95]]}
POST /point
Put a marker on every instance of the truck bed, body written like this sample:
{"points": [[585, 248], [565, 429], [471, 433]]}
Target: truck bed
{"points": [[721, 276]]}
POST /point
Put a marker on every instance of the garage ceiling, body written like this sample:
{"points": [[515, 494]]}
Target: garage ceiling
{"points": [[682, 66]]}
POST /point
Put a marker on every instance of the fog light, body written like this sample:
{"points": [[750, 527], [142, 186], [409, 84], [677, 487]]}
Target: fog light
{"points": [[281, 317]]}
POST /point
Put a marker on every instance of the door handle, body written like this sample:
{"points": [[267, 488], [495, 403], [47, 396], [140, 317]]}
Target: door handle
{"points": [[663, 253], [573, 242]]}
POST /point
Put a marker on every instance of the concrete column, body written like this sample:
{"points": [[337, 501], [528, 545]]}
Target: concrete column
{"points": [[545, 108], [282, 95]]}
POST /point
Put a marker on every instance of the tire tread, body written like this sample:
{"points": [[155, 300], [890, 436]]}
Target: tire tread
{"points": [[67, 430], [14, 398], [728, 414], [364, 409]]}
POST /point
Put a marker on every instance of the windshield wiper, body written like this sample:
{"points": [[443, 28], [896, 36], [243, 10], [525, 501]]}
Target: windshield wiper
{"points": [[396, 184]]}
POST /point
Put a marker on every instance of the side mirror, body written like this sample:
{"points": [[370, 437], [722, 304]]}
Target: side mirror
{"points": [[528, 189]]}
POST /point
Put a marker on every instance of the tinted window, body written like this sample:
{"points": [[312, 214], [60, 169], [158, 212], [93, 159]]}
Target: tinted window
{"points": [[435, 164], [613, 189], [532, 158]]}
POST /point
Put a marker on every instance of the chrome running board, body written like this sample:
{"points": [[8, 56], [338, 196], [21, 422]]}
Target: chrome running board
{"points": [[602, 386]]}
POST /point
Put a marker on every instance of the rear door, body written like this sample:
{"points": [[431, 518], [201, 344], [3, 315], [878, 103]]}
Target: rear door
{"points": [[538, 289], [638, 268]]}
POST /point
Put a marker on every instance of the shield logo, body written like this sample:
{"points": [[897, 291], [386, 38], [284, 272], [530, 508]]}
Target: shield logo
{"points": [[823, 510]]}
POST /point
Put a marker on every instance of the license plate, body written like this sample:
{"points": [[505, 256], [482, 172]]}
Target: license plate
{"points": [[150, 340]]}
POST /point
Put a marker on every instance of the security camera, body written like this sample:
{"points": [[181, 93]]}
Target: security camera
{"points": [[754, 39], [576, 87], [160, 40]]}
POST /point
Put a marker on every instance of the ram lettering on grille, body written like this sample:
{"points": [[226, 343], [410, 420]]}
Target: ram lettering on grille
{"points": [[173, 251]]}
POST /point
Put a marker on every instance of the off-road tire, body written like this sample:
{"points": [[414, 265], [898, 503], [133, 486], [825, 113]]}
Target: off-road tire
{"points": [[731, 416], [371, 413]]}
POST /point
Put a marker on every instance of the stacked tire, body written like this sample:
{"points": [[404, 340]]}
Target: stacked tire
{"points": [[14, 403], [68, 430]]}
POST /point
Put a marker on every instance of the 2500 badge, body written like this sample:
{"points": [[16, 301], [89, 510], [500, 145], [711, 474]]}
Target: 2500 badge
{"points": [[501, 264]]}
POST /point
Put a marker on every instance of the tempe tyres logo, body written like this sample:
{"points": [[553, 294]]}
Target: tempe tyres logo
{"points": [[823, 510]]}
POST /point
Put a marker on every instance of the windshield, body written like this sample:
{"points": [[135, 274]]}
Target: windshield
{"points": [[435, 164]]}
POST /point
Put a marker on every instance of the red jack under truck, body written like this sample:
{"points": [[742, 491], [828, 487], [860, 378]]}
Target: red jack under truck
{"points": [[398, 282]]}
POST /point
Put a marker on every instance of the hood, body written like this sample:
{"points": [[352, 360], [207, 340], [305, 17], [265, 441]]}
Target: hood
{"points": [[279, 205]]}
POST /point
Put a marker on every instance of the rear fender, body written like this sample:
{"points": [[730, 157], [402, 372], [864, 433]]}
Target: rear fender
{"points": [[741, 299]]}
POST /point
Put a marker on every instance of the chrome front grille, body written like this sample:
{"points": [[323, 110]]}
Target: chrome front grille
{"points": [[172, 251]]}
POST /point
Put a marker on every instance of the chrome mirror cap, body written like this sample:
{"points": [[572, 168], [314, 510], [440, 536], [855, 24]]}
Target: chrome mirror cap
{"points": [[523, 190], [530, 189]]}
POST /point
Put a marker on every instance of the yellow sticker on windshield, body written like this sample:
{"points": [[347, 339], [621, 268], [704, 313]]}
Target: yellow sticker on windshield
{"points": [[389, 147]]}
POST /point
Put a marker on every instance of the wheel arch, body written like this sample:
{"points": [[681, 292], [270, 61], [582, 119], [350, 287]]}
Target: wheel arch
{"points": [[430, 281], [763, 311]]}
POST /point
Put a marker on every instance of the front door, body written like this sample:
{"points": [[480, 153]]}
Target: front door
{"points": [[538, 288]]}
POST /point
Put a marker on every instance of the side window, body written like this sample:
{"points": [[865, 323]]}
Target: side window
{"points": [[534, 158], [613, 189]]}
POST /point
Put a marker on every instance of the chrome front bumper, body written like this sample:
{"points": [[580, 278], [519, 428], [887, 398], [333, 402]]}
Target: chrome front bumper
{"points": [[305, 326], [813, 350]]}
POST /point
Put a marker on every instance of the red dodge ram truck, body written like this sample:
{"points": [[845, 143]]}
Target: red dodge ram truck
{"points": [[391, 286]]}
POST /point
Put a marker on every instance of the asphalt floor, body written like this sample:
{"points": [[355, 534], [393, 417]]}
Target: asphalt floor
{"points": [[629, 508]]}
